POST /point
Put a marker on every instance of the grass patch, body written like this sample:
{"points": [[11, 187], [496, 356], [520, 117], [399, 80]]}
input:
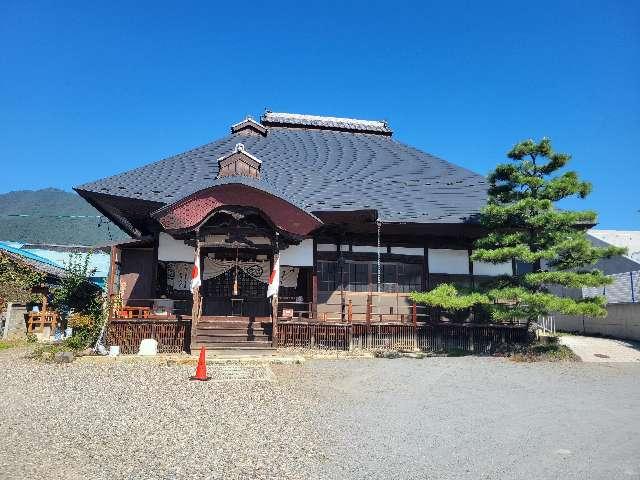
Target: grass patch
{"points": [[456, 352], [453, 352], [7, 344], [46, 351], [545, 353]]}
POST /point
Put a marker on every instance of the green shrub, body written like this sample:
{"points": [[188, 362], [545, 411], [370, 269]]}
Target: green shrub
{"points": [[77, 342], [545, 353], [45, 351]]}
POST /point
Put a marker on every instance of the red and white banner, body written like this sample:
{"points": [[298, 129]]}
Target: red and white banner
{"points": [[196, 278], [274, 279]]}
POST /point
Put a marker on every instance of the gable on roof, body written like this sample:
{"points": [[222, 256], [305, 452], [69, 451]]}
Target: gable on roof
{"points": [[239, 162], [249, 126]]}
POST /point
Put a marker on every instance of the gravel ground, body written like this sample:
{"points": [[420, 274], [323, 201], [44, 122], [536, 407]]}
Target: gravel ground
{"points": [[468, 417], [143, 420]]}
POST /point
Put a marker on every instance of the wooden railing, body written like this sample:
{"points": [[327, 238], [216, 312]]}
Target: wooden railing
{"points": [[433, 337], [39, 320], [370, 313], [295, 309], [173, 336], [144, 310], [133, 312]]}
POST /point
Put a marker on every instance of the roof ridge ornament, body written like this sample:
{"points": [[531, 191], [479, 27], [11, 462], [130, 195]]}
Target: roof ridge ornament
{"points": [[249, 126], [322, 122]]}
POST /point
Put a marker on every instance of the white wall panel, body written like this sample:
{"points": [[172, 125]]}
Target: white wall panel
{"points": [[407, 251], [492, 270], [298, 255], [327, 247], [444, 260], [172, 250], [369, 249]]}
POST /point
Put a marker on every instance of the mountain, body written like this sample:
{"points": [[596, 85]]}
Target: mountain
{"points": [[46, 216]]}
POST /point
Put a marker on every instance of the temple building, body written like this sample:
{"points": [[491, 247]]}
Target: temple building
{"points": [[357, 220]]}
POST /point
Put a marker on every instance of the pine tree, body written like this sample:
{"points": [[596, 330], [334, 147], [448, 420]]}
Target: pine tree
{"points": [[525, 225]]}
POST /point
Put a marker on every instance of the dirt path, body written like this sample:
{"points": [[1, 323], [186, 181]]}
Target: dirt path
{"points": [[594, 349]]}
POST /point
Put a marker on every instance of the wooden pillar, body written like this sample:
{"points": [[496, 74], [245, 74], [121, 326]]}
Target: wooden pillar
{"points": [[342, 298], [274, 320], [114, 263], [314, 297], [274, 299], [196, 309], [44, 302], [154, 269], [425, 271], [110, 277], [471, 280], [314, 282]]}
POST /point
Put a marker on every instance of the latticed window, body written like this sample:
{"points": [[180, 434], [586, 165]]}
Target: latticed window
{"points": [[222, 285], [328, 280], [409, 277], [358, 277], [363, 276]]}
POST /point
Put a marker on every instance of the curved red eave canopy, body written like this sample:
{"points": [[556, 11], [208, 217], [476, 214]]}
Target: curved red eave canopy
{"points": [[191, 211]]}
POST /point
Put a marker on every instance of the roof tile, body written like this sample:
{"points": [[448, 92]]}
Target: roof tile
{"points": [[314, 168]]}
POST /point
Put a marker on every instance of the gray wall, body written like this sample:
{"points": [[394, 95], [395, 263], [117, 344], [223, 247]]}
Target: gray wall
{"points": [[14, 324], [623, 321], [617, 264]]}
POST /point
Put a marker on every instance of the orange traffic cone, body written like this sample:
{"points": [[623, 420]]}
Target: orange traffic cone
{"points": [[201, 369]]}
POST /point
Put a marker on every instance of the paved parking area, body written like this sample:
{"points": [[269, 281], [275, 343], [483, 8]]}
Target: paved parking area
{"points": [[478, 418], [604, 350], [441, 418]]}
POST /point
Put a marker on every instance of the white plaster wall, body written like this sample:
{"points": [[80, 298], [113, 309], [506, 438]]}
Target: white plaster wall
{"points": [[298, 255], [407, 251], [172, 250], [491, 269], [327, 247], [369, 249], [444, 260]]}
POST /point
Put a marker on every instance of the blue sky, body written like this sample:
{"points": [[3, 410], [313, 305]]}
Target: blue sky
{"points": [[91, 89]]}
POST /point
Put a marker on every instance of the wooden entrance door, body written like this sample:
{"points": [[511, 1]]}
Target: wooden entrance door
{"points": [[218, 295]]}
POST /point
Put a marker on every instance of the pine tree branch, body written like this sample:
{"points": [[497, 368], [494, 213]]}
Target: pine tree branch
{"points": [[568, 279], [447, 297]]}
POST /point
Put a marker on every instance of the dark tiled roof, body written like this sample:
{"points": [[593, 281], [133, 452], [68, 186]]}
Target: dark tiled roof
{"points": [[612, 265], [319, 170]]}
